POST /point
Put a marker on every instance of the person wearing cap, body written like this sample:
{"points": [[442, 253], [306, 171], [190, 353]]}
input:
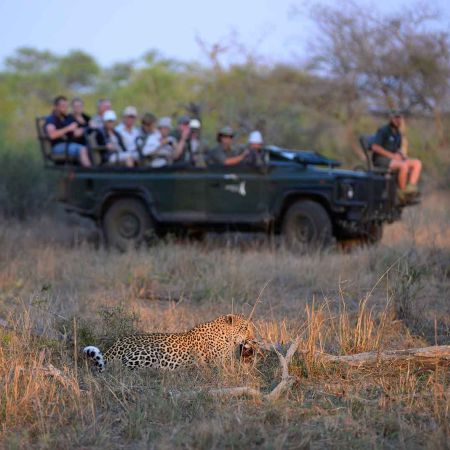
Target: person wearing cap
{"points": [[255, 156], [388, 153], [196, 148], [111, 141], [129, 131], [224, 153], [96, 121]]}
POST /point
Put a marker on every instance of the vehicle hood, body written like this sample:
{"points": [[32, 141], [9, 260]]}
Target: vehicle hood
{"points": [[300, 156]]}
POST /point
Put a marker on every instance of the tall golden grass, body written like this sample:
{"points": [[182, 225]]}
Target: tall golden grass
{"points": [[59, 294]]}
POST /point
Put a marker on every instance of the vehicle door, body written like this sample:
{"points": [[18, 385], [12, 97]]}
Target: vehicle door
{"points": [[234, 194], [179, 194]]}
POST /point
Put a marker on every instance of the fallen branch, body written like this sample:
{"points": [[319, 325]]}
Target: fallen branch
{"points": [[283, 386], [428, 354]]}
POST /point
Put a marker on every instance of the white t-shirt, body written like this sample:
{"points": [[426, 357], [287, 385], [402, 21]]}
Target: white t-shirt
{"points": [[128, 137], [151, 143]]}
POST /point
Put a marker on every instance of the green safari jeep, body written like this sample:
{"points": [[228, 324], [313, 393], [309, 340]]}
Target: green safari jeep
{"points": [[299, 194]]}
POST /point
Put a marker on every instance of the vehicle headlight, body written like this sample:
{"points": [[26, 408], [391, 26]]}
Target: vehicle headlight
{"points": [[346, 191]]}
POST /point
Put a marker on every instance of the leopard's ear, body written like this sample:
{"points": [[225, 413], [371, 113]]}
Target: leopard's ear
{"points": [[229, 319]]}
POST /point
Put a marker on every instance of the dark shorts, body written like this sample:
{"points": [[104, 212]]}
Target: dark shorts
{"points": [[381, 161], [72, 149]]}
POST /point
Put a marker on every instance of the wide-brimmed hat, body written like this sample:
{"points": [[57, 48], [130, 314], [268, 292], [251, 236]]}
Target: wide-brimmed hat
{"points": [[226, 131]]}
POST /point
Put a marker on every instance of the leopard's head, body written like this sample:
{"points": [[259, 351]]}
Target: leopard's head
{"points": [[239, 327]]}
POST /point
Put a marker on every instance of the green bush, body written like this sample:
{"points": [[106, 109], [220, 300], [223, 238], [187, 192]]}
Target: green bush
{"points": [[26, 189]]}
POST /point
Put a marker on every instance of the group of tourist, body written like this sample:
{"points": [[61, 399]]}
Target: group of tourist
{"points": [[155, 143]]}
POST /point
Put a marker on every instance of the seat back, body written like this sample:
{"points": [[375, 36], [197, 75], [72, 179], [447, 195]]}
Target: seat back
{"points": [[366, 142], [96, 152], [46, 145], [44, 141]]}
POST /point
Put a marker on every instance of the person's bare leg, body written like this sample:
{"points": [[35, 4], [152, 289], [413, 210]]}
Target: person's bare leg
{"points": [[415, 166], [402, 168], [84, 157]]}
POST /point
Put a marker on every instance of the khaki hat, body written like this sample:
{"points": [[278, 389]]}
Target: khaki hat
{"points": [[165, 122], [226, 131], [130, 111]]}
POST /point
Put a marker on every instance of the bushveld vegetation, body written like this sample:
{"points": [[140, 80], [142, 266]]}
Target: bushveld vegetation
{"points": [[359, 64], [58, 295], [59, 292]]}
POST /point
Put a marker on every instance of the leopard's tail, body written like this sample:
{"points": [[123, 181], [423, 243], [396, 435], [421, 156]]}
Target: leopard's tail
{"points": [[96, 355]]}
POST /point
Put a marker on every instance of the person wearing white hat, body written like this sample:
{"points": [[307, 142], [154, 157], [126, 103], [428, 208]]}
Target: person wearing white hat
{"points": [[111, 141], [129, 132], [255, 155], [196, 147]]}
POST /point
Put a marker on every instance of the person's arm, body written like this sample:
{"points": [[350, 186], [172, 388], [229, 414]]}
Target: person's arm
{"points": [[377, 146], [236, 159], [383, 152], [179, 147], [53, 133]]}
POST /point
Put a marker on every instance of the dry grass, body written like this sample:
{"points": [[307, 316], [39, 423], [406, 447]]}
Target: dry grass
{"points": [[71, 294]]}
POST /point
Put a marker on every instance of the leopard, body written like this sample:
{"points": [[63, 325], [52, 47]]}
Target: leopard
{"points": [[205, 343]]}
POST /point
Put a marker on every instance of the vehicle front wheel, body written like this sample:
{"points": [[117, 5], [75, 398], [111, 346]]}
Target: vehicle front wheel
{"points": [[127, 224], [306, 225]]}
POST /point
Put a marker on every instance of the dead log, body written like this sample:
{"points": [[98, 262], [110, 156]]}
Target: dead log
{"points": [[424, 354]]}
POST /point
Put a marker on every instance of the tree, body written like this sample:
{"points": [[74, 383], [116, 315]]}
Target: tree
{"points": [[78, 70], [28, 61], [398, 60]]}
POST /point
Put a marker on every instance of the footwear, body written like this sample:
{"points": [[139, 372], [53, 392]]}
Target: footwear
{"points": [[411, 189], [401, 196]]}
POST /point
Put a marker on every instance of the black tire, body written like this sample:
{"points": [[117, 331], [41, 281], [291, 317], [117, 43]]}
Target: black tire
{"points": [[307, 225], [127, 224]]}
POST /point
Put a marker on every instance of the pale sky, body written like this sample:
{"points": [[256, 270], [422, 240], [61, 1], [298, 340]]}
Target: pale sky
{"points": [[121, 30]]}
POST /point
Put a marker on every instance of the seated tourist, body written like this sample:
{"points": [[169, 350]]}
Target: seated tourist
{"points": [[181, 134], [149, 137], [129, 132], [166, 150], [196, 148], [62, 130], [387, 153], [103, 105], [254, 155], [224, 153], [81, 118], [108, 138]]}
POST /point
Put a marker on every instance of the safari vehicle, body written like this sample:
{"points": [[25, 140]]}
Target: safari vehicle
{"points": [[300, 195]]}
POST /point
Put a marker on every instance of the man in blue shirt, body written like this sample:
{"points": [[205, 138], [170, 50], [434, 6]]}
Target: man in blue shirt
{"points": [[389, 152], [62, 129]]}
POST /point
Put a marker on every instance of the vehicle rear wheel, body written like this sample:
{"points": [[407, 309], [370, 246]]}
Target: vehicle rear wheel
{"points": [[127, 224], [306, 225]]}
